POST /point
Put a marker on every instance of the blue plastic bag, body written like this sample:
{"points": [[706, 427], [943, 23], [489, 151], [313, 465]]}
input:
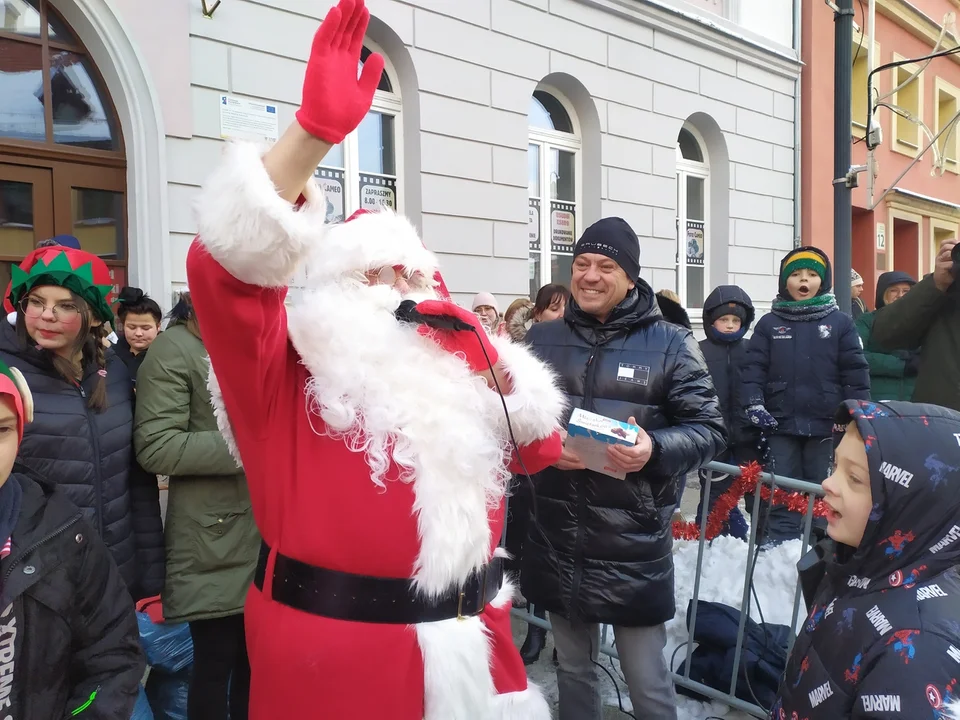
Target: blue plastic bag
{"points": [[168, 646], [142, 711], [168, 694]]}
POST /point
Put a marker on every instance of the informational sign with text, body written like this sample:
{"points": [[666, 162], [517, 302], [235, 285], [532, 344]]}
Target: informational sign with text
{"points": [[244, 119]]}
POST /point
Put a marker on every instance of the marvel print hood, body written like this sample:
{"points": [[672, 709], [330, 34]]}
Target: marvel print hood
{"points": [[913, 451]]}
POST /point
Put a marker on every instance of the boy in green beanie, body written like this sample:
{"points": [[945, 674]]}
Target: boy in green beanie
{"points": [[804, 359]]}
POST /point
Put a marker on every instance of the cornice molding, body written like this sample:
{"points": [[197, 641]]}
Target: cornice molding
{"points": [[930, 207], [718, 34], [919, 25]]}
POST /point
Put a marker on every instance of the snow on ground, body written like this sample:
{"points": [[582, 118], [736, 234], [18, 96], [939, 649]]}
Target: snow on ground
{"points": [[724, 568]]}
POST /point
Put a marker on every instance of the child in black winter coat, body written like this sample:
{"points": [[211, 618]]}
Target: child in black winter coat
{"points": [[805, 358], [882, 639], [727, 316], [69, 643]]}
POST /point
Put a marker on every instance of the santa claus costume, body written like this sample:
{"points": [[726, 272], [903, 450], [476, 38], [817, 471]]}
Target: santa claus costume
{"points": [[376, 454]]}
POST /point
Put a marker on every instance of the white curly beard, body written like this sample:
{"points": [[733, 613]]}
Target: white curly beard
{"points": [[418, 413]]}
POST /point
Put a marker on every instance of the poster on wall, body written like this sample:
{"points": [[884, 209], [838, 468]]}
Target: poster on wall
{"points": [[331, 184], [563, 227], [533, 225], [118, 276], [377, 191], [243, 119], [694, 242]]}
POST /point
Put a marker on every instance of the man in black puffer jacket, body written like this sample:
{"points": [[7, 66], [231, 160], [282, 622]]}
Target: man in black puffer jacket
{"points": [[603, 550], [882, 635]]}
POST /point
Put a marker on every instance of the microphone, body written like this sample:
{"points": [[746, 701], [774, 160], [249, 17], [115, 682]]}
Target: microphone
{"points": [[408, 313]]}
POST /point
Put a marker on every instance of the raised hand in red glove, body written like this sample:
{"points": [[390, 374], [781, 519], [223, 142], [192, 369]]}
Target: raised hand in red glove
{"points": [[334, 100], [471, 344]]}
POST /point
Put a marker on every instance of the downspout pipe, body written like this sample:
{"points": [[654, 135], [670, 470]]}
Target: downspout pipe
{"points": [[797, 127], [842, 207]]}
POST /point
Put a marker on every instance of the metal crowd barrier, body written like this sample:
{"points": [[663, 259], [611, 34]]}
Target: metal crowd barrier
{"points": [[812, 490]]}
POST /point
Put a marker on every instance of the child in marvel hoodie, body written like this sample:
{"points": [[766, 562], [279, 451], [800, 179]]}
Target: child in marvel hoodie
{"points": [[882, 638]]}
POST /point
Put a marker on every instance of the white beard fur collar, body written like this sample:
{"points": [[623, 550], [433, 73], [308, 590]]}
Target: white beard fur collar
{"points": [[415, 411]]}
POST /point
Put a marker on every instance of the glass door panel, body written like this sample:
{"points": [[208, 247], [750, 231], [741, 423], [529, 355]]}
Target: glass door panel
{"points": [[26, 213], [26, 209]]}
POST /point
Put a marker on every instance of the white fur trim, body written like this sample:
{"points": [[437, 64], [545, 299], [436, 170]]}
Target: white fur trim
{"points": [[506, 593], [526, 705], [220, 413], [536, 403], [413, 410], [370, 241], [248, 228], [952, 711], [456, 671], [458, 684]]}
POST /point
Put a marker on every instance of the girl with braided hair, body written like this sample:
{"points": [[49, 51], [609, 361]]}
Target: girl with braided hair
{"points": [[83, 429]]}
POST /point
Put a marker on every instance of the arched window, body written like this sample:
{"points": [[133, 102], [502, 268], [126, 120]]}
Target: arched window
{"points": [[362, 171], [553, 159], [693, 222], [62, 161]]}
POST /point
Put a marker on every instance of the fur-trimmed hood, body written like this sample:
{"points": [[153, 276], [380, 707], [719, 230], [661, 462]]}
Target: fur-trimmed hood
{"points": [[673, 312], [520, 322]]}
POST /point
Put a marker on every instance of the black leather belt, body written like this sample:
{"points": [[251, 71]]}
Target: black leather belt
{"points": [[362, 598]]}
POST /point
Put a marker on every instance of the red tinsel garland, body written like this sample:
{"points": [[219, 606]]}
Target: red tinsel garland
{"points": [[747, 482]]}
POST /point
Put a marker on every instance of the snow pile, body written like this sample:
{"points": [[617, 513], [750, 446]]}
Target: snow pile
{"points": [[721, 580]]}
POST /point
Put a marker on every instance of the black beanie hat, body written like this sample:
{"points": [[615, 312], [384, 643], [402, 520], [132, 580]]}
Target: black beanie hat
{"points": [[728, 309], [615, 239]]}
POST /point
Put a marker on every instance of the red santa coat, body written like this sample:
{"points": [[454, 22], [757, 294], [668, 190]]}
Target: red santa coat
{"points": [[367, 449]]}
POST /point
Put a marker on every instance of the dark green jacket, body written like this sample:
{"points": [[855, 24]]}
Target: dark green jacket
{"points": [[926, 317], [211, 540], [888, 377]]}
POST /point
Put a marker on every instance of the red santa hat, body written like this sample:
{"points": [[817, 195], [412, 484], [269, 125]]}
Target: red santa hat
{"points": [[368, 240]]}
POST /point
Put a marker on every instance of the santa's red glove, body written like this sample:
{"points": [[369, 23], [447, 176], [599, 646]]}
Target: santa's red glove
{"points": [[334, 100], [470, 344]]}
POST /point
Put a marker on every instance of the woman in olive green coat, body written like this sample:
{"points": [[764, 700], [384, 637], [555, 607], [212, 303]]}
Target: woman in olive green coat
{"points": [[212, 542]]}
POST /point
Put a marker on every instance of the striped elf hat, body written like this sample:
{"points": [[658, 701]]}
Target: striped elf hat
{"points": [[13, 383], [81, 272]]}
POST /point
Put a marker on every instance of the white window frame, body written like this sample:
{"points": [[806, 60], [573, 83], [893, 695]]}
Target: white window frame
{"points": [[910, 148], [951, 149], [548, 140], [691, 168]]}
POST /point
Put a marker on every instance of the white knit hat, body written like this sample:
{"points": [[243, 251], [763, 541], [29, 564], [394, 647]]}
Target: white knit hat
{"points": [[485, 298], [855, 278]]}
